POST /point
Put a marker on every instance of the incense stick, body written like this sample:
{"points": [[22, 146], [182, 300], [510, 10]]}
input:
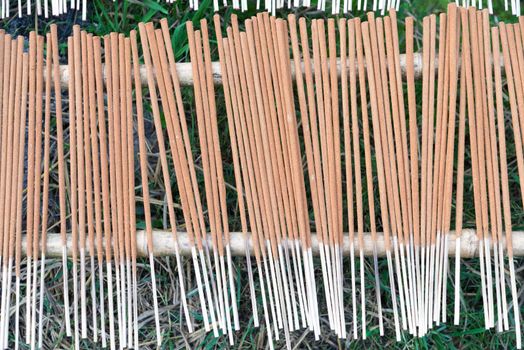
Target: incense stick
{"points": [[45, 191], [31, 178], [73, 184], [61, 172], [15, 227], [503, 159], [369, 171], [15, 202], [352, 31], [104, 166], [144, 171], [5, 128], [507, 39], [38, 176]]}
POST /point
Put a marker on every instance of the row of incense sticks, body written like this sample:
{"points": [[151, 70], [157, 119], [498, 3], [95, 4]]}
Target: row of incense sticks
{"points": [[317, 116], [60, 7], [44, 8]]}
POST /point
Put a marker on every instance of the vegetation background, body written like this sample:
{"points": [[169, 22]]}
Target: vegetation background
{"points": [[105, 16]]}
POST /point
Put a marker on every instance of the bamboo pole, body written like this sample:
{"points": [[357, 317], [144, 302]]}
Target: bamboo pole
{"points": [[185, 71], [164, 244]]}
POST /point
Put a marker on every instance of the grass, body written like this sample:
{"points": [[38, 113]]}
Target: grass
{"points": [[105, 16]]}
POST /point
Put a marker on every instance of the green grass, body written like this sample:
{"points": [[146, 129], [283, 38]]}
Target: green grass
{"points": [[122, 16]]}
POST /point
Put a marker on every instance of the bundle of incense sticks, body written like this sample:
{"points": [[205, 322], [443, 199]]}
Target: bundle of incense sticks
{"points": [[325, 136]]}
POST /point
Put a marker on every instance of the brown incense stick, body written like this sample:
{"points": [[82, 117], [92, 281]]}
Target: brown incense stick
{"points": [[104, 166], [500, 180], [492, 163], [352, 56], [6, 62], [369, 169], [73, 184], [7, 89], [61, 172], [423, 172], [414, 165], [97, 235], [144, 169], [30, 177], [460, 188], [503, 159], [38, 177], [453, 22], [16, 242], [132, 193], [88, 171], [321, 155], [479, 115], [111, 51], [348, 154], [14, 173], [45, 191], [127, 310], [77, 50]]}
